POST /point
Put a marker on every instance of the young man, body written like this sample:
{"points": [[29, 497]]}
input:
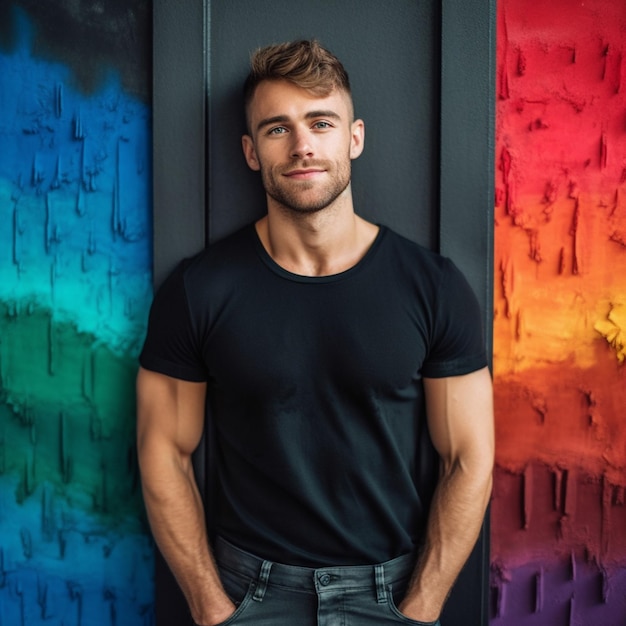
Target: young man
{"points": [[331, 353]]}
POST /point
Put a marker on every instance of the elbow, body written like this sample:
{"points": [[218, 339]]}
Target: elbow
{"points": [[481, 468], [159, 459], [476, 471], [478, 463], [483, 475]]}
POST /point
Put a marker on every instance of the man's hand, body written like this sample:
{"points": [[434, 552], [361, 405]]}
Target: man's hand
{"points": [[218, 613]]}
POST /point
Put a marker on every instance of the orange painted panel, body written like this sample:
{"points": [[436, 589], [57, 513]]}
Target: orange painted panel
{"points": [[560, 304]]}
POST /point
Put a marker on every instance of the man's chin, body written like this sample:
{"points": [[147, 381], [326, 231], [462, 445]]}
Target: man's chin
{"points": [[302, 209], [300, 205]]}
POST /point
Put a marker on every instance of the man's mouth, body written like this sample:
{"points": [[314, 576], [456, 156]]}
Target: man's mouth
{"points": [[304, 173]]}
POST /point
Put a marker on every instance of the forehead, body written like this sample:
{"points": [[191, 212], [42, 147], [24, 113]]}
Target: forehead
{"points": [[273, 98]]}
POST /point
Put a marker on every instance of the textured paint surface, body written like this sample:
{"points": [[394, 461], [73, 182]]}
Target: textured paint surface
{"points": [[74, 290], [559, 506]]}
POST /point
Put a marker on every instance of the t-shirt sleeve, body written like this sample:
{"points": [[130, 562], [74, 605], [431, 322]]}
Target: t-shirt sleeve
{"points": [[172, 346], [457, 344]]}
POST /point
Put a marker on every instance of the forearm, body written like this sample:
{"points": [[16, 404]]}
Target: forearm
{"points": [[455, 519], [176, 516]]}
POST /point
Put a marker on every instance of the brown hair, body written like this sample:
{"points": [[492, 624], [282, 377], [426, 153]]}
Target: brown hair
{"points": [[304, 63]]}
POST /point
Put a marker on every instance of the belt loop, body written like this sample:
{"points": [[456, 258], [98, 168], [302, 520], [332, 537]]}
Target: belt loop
{"points": [[264, 576], [379, 576]]}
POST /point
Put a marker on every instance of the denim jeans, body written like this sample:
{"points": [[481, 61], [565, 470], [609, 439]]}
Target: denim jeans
{"points": [[272, 594]]}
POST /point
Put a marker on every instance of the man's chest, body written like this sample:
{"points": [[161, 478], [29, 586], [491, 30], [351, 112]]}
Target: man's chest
{"points": [[308, 335]]}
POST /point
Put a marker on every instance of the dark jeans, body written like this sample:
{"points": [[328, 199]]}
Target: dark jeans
{"points": [[272, 594]]}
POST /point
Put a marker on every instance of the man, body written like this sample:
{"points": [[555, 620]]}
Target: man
{"points": [[328, 349]]}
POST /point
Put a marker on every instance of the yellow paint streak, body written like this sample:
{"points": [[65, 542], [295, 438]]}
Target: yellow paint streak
{"points": [[613, 329], [558, 291]]}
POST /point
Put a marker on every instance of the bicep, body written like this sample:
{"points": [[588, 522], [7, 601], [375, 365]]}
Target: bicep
{"points": [[460, 416], [170, 412]]}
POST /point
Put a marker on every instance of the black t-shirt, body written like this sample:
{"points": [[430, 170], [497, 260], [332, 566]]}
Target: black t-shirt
{"points": [[315, 390]]}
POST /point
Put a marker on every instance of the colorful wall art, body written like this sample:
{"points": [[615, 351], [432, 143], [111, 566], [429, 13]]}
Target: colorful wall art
{"points": [[559, 506], [75, 286]]}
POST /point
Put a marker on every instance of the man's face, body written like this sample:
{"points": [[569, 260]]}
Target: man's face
{"points": [[302, 145]]}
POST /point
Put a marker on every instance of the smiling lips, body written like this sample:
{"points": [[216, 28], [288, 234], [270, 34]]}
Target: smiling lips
{"points": [[303, 174]]}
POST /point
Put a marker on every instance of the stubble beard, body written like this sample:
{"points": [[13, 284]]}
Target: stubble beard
{"points": [[292, 196]]}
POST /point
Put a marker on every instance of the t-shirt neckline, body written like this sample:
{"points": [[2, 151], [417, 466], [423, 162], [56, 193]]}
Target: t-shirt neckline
{"points": [[330, 278]]}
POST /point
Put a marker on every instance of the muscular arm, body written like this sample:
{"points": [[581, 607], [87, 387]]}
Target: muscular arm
{"points": [[170, 420], [460, 420]]}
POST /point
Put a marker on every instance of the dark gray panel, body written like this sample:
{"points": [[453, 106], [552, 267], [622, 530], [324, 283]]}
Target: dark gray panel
{"points": [[388, 52], [467, 142], [392, 52], [179, 168], [179, 187], [466, 212]]}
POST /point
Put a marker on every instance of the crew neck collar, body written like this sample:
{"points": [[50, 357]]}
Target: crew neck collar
{"points": [[301, 278]]}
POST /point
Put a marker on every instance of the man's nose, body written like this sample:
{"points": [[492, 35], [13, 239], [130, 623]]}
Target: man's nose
{"points": [[301, 144]]}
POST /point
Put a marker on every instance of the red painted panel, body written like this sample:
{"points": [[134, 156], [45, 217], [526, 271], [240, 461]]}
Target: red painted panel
{"points": [[560, 312]]}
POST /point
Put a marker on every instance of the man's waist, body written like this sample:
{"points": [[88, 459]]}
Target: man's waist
{"points": [[312, 579]]}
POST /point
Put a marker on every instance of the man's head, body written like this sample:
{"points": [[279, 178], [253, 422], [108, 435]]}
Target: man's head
{"points": [[303, 63], [301, 129]]}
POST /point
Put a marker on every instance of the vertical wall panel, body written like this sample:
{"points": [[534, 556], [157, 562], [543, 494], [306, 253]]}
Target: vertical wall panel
{"points": [[559, 514], [394, 54], [181, 44], [75, 284], [465, 210]]}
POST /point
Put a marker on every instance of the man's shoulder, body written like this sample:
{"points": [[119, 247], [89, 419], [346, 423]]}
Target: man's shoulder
{"points": [[219, 262], [223, 252], [236, 242], [411, 251]]}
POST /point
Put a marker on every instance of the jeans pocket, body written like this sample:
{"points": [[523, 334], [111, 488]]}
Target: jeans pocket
{"points": [[403, 619], [239, 589], [235, 584], [241, 604]]}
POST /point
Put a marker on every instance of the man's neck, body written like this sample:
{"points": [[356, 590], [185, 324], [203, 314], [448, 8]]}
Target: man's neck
{"points": [[323, 243]]}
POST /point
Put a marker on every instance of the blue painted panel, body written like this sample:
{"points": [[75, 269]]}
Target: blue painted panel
{"points": [[75, 286]]}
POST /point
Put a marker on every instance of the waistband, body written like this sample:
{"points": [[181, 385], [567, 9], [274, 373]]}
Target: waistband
{"points": [[314, 580]]}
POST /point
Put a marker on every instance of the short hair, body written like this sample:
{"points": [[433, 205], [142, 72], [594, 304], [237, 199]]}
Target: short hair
{"points": [[305, 63]]}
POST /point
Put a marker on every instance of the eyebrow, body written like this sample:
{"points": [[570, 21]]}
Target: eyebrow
{"points": [[282, 119]]}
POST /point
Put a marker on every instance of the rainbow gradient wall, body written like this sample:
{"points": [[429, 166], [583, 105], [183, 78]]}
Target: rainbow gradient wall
{"points": [[75, 281], [559, 506], [75, 287]]}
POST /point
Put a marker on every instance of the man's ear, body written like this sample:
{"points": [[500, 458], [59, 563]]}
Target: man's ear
{"points": [[249, 151], [357, 138]]}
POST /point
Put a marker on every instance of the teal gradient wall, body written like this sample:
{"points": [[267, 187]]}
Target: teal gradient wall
{"points": [[75, 286]]}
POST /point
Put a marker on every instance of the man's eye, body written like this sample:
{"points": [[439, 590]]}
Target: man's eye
{"points": [[279, 130], [321, 125]]}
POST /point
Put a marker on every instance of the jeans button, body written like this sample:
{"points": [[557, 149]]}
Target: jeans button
{"points": [[324, 579]]}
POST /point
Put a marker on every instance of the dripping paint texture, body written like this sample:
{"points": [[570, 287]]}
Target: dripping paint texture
{"points": [[559, 506], [74, 290]]}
